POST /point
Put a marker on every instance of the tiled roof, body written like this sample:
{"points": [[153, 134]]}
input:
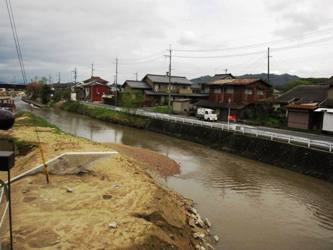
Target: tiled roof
{"points": [[305, 94], [137, 84], [152, 93], [235, 82], [165, 79], [96, 79]]}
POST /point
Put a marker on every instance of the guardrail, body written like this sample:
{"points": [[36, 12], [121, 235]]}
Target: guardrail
{"points": [[233, 127]]}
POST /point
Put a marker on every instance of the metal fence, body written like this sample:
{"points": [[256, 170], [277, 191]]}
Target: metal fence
{"points": [[234, 128]]}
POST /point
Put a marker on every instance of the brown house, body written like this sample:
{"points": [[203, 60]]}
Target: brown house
{"points": [[131, 85], [236, 94], [180, 88]]}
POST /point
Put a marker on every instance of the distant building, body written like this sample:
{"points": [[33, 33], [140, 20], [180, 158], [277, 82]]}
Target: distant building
{"points": [[132, 85], [300, 103], [202, 82], [94, 88], [229, 92], [156, 89]]}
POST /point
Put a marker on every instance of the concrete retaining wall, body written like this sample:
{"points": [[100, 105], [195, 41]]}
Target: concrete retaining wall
{"points": [[300, 159]]}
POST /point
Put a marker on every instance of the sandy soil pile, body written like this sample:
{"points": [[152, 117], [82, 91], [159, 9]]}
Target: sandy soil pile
{"points": [[115, 205]]}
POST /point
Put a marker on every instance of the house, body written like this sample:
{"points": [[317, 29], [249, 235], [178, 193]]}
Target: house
{"points": [[158, 94], [203, 81], [94, 88], [138, 86], [300, 103], [236, 94], [160, 83]]}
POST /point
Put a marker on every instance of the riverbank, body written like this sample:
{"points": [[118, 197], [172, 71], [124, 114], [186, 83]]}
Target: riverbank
{"points": [[297, 158], [106, 115], [115, 205]]}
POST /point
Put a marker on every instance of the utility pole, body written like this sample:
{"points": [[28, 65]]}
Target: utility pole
{"points": [[136, 76], [50, 79], [116, 83], [169, 74], [58, 77], [268, 65], [75, 75], [226, 71], [92, 70]]}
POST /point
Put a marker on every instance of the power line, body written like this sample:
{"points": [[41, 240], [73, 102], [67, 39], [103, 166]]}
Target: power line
{"points": [[16, 39], [288, 47], [256, 44]]}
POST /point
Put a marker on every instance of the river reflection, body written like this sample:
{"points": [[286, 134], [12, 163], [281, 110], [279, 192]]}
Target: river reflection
{"points": [[251, 205]]}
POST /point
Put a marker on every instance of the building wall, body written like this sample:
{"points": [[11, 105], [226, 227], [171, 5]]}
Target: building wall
{"points": [[180, 107], [97, 91], [239, 94], [163, 87], [328, 122], [298, 119]]}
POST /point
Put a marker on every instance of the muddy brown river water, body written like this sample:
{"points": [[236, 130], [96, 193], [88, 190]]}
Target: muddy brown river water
{"points": [[250, 204]]}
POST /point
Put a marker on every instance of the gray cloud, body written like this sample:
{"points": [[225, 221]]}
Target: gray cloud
{"points": [[57, 36]]}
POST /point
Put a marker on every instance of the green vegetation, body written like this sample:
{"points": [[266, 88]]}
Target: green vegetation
{"points": [[61, 94], [106, 114], [131, 99], [23, 147], [39, 91], [160, 109], [29, 119]]}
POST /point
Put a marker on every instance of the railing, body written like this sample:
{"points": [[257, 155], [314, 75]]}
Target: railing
{"points": [[235, 128]]}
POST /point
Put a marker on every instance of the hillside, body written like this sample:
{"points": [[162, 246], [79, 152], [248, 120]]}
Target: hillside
{"points": [[275, 80]]}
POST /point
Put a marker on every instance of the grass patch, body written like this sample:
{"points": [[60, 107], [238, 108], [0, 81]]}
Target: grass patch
{"points": [[105, 114], [160, 109], [29, 119]]}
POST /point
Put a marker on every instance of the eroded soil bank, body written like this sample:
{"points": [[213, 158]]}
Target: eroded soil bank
{"points": [[116, 204]]}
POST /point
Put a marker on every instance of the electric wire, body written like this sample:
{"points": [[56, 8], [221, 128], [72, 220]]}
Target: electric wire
{"points": [[267, 43], [20, 58]]}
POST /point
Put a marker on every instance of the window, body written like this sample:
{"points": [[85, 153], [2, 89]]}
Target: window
{"points": [[248, 91], [260, 92], [230, 91], [217, 91]]}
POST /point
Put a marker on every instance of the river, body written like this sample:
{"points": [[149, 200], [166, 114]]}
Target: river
{"points": [[250, 204]]}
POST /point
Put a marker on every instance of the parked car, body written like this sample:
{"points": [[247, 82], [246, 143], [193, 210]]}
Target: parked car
{"points": [[206, 114]]}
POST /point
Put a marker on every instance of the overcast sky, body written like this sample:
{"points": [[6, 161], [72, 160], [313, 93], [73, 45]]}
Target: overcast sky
{"points": [[58, 35]]}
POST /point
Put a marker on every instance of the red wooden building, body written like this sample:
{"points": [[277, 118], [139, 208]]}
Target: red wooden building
{"points": [[94, 88]]}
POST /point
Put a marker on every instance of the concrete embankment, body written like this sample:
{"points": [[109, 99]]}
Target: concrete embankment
{"points": [[35, 103], [300, 159]]}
